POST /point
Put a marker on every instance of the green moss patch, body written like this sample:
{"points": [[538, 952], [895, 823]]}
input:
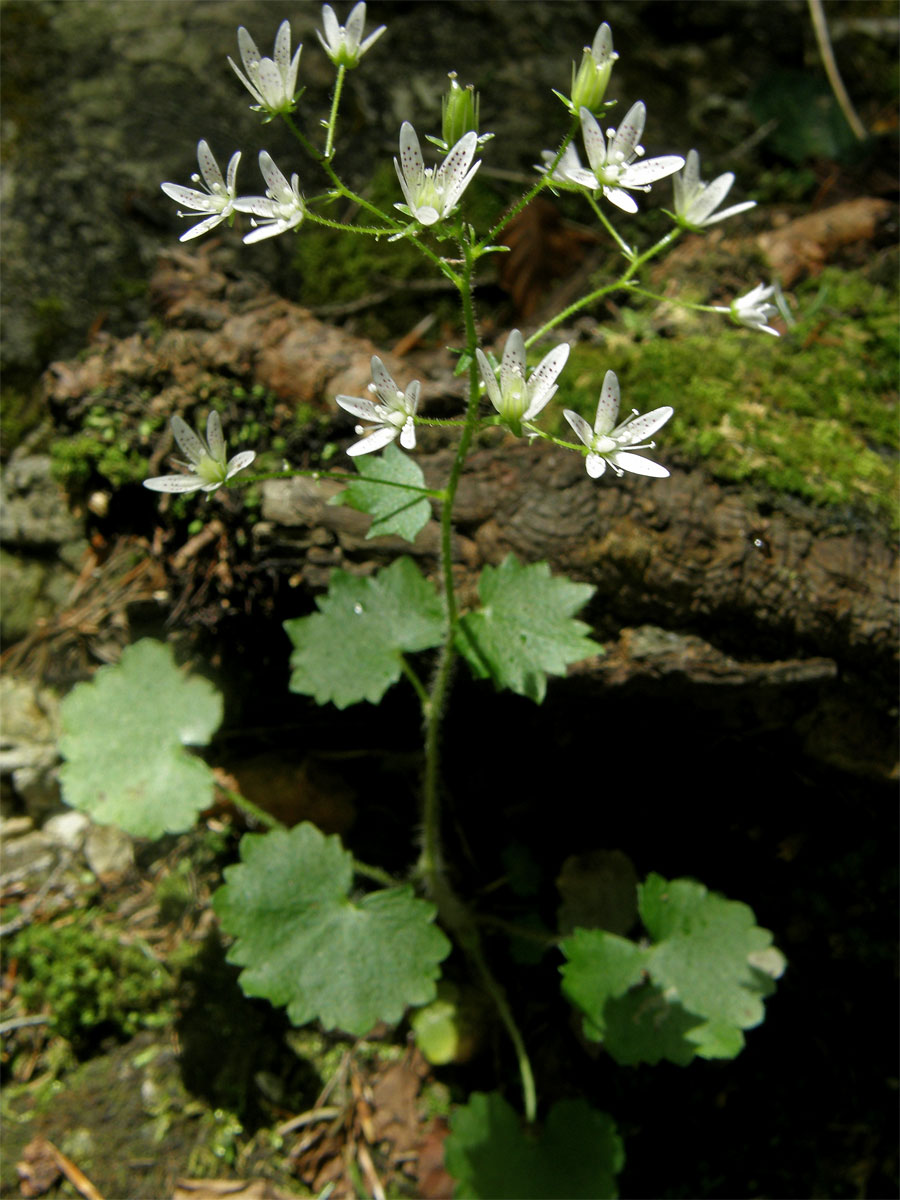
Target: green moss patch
{"points": [[813, 414]]}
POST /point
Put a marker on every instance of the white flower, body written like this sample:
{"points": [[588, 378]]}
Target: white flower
{"points": [[514, 399], [616, 445], [393, 415], [696, 200], [590, 81], [567, 164], [206, 463], [613, 166], [341, 42], [753, 310], [280, 209], [270, 81], [218, 198], [433, 192]]}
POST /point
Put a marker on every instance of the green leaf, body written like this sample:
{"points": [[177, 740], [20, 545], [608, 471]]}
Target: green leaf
{"points": [[691, 993], [702, 958], [124, 735], [601, 967], [351, 650], [524, 629], [304, 943], [402, 511], [577, 1154]]}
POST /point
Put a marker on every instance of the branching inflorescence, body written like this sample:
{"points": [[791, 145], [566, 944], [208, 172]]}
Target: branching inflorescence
{"points": [[366, 631]]}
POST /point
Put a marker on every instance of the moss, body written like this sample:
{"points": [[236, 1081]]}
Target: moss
{"points": [[812, 414], [90, 983]]}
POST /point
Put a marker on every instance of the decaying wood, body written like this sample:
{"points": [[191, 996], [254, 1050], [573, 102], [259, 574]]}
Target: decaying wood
{"points": [[786, 591]]}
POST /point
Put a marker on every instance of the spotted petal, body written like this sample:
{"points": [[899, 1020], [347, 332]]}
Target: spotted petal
{"points": [[174, 483], [239, 462], [608, 404], [580, 425], [187, 440], [628, 135], [594, 144], [644, 426]]}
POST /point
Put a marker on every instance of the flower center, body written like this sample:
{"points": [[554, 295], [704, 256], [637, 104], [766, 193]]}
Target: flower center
{"points": [[209, 470]]}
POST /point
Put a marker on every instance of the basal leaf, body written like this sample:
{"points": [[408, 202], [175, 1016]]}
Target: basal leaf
{"points": [[124, 736], [351, 650], [402, 511], [578, 1153], [525, 629], [305, 944], [702, 955], [691, 993]]}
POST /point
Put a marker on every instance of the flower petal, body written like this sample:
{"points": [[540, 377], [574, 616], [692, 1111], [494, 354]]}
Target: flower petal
{"points": [[375, 441], [214, 438], [202, 227], [544, 374], [580, 425], [198, 201], [644, 426], [628, 135], [595, 465], [249, 52], [209, 168], [640, 173], [594, 142], [513, 361], [364, 409], [621, 199], [490, 379], [355, 23], [332, 28], [187, 440], [637, 464], [174, 483], [385, 388], [411, 161], [239, 462], [607, 404]]}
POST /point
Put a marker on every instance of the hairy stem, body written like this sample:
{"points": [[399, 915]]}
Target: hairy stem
{"points": [[453, 912]]}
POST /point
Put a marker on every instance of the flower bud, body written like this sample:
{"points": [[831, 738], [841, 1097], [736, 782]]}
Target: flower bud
{"points": [[590, 82], [459, 112]]}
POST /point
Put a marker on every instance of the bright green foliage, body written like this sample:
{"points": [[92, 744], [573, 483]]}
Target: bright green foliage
{"points": [[692, 992], [395, 510], [352, 649], [124, 736], [304, 943], [88, 982], [525, 629], [577, 1154]]}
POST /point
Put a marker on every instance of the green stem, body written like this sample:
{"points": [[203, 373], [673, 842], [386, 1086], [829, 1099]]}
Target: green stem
{"points": [[252, 810], [332, 119], [623, 281], [454, 913], [374, 873], [543, 181], [392, 226]]}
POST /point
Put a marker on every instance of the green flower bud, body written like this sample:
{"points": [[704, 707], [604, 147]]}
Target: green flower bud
{"points": [[459, 112], [590, 82]]}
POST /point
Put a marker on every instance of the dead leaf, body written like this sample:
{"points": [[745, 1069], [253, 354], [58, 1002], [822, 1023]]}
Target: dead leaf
{"points": [[38, 1170], [542, 247], [803, 246]]}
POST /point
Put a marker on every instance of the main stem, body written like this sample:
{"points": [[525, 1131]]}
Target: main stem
{"points": [[454, 913]]}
